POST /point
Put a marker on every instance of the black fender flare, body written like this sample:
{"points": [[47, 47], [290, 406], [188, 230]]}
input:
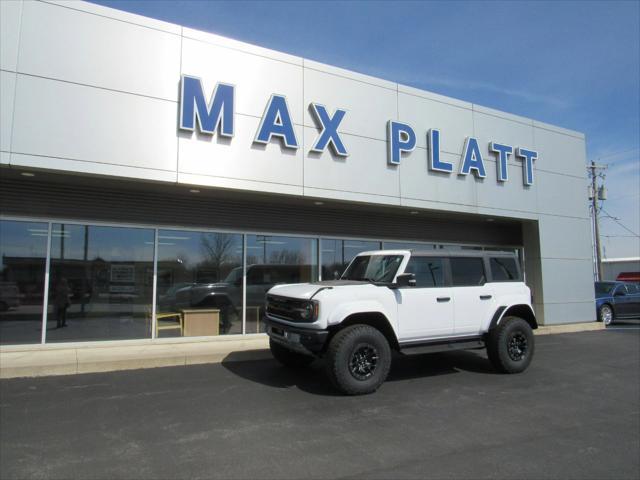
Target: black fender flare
{"points": [[523, 311], [374, 319]]}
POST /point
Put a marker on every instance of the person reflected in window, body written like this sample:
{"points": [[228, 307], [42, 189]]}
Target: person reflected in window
{"points": [[61, 301]]}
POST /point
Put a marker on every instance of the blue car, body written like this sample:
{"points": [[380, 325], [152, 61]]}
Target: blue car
{"points": [[617, 301]]}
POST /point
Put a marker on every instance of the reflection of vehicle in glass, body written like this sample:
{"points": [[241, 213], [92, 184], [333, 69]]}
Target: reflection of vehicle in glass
{"points": [[9, 296], [410, 302], [227, 295], [167, 300], [617, 300]]}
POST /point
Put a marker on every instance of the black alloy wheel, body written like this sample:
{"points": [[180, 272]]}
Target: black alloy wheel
{"points": [[364, 361], [517, 346]]}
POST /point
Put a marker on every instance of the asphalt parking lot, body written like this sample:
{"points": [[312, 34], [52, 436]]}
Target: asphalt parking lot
{"points": [[573, 414]]}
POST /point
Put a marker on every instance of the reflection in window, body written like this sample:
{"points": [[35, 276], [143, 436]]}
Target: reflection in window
{"points": [[337, 254], [428, 271], [101, 283], [503, 269], [272, 260], [199, 283], [23, 253], [450, 246], [373, 268], [418, 247]]}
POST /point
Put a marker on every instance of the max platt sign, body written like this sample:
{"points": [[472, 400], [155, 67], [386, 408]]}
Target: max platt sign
{"points": [[216, 116]]}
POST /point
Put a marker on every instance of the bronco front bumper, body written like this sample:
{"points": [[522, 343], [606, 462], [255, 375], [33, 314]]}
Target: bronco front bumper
{"points": [[303, 340]]}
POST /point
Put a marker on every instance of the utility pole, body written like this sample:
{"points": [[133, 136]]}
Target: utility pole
{"points": [[597, 193]]}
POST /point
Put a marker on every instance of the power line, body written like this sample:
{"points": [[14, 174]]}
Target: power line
{"points": [[619, 153], [619, 223]]}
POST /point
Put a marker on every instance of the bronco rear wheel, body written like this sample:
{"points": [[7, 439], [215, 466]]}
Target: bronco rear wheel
{"points": [[358, 360], [510, 345]]}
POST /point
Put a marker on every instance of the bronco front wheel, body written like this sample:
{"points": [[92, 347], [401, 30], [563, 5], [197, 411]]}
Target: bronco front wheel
{"points": [[358, 360]]}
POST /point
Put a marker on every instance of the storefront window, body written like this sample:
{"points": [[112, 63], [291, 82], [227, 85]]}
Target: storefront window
{"points": [[272, 260], [199, 283], [452, 246], [336, 255], [101, 279], [423, 247], [101, 283], [23, 254]]}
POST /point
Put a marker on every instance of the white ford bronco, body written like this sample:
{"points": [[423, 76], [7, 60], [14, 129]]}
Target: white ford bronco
{"points": [[408, 301]]}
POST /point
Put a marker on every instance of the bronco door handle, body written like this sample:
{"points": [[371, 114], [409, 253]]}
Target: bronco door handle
{"points": [[443, 299], [485, 297]]}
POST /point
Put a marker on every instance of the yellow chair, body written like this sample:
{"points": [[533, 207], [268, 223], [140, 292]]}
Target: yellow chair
{"points": [[168, 321], [163, 322]]}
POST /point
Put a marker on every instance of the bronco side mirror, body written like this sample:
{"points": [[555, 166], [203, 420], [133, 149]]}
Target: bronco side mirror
{"points": [[406, 280]]}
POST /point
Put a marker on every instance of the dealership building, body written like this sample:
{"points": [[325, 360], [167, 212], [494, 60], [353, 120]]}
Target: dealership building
{"points": [[156, 181]]}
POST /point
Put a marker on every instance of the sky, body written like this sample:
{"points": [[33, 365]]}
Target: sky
{"points": [[572, 64]]}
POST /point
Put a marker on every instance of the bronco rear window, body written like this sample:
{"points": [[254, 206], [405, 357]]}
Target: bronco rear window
{"points": [[504, 269]]}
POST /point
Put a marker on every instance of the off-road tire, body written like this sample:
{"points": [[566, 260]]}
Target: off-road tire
{"points": [[346, 360], [289, 358], [510, 345]]}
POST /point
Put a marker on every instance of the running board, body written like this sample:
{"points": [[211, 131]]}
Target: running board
{"points": [[435, 346]]}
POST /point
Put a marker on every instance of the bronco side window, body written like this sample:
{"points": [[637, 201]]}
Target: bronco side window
{"points": [[429, 271], [467, 271]]}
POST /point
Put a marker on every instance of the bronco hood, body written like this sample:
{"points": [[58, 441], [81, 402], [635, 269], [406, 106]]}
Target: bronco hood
{"points": [[308, 290]]}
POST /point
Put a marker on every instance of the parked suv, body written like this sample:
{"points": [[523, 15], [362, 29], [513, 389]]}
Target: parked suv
{"points": [[408, 301]]}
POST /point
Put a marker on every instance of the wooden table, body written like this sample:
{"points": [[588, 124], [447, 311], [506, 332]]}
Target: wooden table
{"points": [[198, 323]]}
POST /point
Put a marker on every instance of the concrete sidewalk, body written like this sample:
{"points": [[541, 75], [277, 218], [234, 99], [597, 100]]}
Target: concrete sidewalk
{"points": [[65, 359], [570, 328], [61, 359]]}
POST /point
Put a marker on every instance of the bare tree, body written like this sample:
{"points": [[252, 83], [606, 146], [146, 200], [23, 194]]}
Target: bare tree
{"points": [[217, 249], [287, 257]]}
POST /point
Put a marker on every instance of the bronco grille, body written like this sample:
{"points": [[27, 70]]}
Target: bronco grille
{"points": [[286, 308]]}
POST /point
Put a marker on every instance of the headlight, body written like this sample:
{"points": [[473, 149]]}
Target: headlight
{"points": [[307, 311], [310, 311]]}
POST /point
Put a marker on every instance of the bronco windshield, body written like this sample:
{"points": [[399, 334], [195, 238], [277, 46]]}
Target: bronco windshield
{"points": [[373, 268]]}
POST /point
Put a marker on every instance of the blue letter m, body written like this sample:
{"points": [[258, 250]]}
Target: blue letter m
{"points": [[212, 116]]}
